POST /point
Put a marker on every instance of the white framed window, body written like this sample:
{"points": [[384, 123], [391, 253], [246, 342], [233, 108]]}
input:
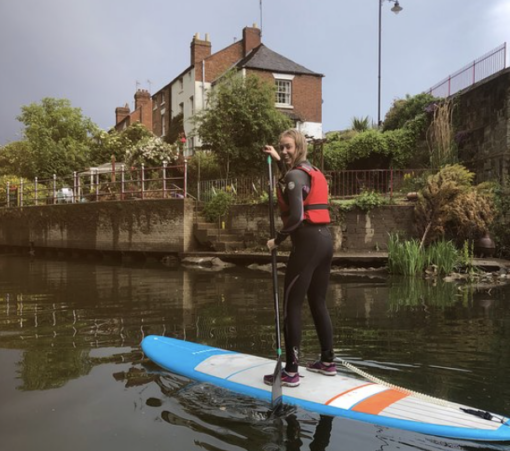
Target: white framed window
{"points": [[181, 108], [192, 106], [181, 84], [283, 92], [162, 98], [163, 125]]}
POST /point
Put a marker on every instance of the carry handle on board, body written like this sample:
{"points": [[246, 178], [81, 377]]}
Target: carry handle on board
{"points": [[276, 393]]}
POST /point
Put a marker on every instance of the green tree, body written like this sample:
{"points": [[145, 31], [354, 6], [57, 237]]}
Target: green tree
{"points": [[59, 137], [240, 120], [16, 158]]}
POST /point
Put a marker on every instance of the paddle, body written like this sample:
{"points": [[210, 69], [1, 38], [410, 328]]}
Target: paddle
{"points": [[276, 393]]}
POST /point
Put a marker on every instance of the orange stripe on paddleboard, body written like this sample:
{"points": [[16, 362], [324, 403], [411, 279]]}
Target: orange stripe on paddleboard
{"points": [[345, 392], [379, 402]]}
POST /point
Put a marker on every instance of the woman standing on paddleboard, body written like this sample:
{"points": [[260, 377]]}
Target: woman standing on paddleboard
{"points": [[303, 201]]}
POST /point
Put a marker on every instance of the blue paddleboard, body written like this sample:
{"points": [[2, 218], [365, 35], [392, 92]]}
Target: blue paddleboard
{"points": [[341, 396]]}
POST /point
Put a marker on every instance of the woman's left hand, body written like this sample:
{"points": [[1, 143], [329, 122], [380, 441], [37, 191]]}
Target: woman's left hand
{"points": [[271, 244]]}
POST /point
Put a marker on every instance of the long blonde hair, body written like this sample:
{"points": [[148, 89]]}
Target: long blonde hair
{"points": [[301, 144]]}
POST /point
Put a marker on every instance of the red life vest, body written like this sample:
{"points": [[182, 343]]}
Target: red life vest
{"points": [[315, 205]]}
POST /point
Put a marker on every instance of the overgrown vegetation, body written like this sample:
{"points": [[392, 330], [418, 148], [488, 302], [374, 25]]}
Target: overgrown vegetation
{"points": [[501, 223], [450, 207], [441, 135], [400, 143]]}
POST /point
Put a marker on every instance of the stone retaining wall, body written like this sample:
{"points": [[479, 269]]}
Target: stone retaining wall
{"points": [[166, 226], [354, 230]]}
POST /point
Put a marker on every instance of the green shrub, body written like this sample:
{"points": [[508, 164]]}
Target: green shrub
{"points": [[218, 206], [368, 200]]}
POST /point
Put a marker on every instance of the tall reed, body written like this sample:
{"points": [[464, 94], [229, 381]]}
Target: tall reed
{"points": [[405, 256], [443, 255]]}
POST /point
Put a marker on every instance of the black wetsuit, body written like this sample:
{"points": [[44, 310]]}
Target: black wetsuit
{"points": [[307, 273]]}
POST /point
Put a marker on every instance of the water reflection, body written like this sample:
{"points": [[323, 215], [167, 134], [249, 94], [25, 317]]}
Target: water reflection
{"points": [[69, 319]]}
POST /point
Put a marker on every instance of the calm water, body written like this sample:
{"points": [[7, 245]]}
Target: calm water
{"points": [[72, 375]]}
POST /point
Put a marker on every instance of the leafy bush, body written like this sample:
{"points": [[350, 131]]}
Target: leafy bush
{"points": [[218, 206], [28, 189], [450, 207], [368, 200], [151, 152], [406, 110]]}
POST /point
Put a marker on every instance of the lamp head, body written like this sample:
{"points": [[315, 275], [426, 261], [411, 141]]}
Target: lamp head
{"points": [[397, 8]]}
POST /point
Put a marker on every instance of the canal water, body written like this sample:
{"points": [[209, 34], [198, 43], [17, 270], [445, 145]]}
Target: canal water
{"points": [[72, 374]]}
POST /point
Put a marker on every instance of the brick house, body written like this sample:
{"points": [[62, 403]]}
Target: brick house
{"points": [[298, 89], [142, 112]]}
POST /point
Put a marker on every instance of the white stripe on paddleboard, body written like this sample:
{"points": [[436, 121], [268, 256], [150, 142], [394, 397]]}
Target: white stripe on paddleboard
{"points": [[225, 366], [353, 397], [418, 410]]}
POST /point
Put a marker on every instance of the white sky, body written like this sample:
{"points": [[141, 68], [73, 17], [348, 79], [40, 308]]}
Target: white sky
{"points": [[92, 52]]}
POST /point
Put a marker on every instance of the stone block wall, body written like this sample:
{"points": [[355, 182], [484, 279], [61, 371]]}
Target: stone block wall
{"points": [[164, 225], [484, 127], [353, 230], [167, 226]]}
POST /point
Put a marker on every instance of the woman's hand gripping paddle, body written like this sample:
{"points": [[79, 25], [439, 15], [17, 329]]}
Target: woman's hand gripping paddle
{"points": [[276, 394]]}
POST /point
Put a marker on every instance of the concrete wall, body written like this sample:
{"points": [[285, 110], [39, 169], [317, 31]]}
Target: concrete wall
{"points": [[164, 225], [353, 230]]}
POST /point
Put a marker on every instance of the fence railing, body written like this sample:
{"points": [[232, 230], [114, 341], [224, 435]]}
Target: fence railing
{"points": [[243, 188], [386, 182], [100, 184], [171, 182], [481, 68]]}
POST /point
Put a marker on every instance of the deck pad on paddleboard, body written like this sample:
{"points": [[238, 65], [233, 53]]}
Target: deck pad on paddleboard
{"points": [[341, 395]]}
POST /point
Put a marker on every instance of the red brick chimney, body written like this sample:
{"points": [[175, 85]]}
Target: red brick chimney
{"points": [[142, 98], [200, 49], [121, 113], [251, 39]]}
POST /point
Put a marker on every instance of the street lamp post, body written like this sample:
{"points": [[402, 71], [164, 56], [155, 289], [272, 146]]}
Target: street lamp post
{"points": [[396, 9]]}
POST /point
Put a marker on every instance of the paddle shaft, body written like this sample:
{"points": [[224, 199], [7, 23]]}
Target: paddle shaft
{"points": [[274, 266], [276, 393]]}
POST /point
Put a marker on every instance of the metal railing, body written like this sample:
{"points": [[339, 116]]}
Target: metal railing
{"points": [[171, 182], [349, 183], [243, 188], [386, 182], [481, 68], [100, 184]]}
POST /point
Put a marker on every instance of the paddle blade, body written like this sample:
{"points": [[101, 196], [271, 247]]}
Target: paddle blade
{"points": [[276, 393]]}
